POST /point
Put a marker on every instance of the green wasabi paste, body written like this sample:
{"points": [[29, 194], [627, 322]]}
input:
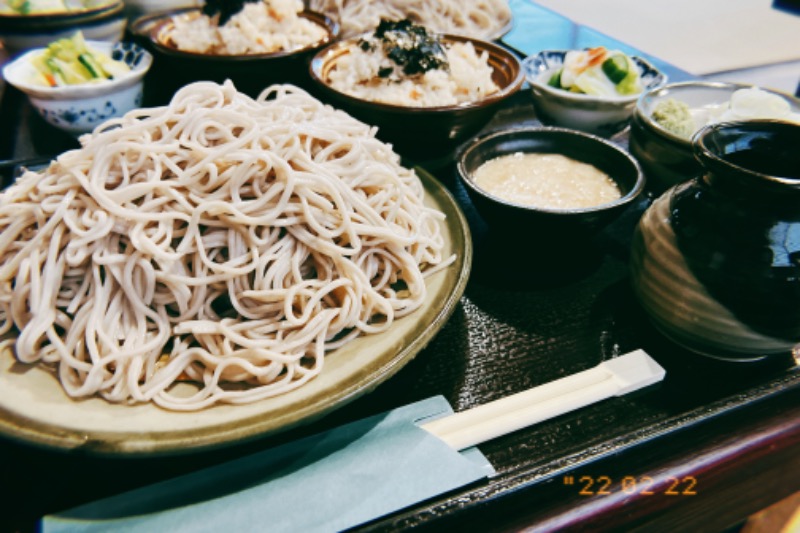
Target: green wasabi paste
{"points": [[674, 116]]}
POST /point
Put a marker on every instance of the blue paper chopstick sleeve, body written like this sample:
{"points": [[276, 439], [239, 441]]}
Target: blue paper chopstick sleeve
{"points": [[326, 482]]}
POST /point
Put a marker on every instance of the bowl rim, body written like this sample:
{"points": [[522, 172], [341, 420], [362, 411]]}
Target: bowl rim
{"points": [[473, 144], [331, 49], [36, 19], [147, 27], [656, 92], [74, 92], [503, 30], [702, 149], [532, 79]]}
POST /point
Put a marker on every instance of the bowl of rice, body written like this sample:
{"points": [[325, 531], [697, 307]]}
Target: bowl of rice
{"points": [[425, 92], [255, 44]]}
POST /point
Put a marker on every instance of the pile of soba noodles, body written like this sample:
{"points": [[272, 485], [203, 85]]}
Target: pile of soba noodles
{"points": [[480, 19], [220, 241]]}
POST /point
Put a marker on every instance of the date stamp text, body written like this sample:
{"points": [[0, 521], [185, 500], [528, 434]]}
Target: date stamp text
{"points": [[643, 485]]}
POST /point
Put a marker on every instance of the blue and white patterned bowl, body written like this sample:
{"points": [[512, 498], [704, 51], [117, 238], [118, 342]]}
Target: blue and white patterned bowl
{"points": [[79, 109], [600, 115]]}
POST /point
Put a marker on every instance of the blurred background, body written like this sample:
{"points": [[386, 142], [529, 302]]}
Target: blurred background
{"points": [[747, 41]]}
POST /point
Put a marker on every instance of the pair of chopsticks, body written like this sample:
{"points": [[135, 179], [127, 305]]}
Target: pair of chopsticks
{"points": [[615, 377]]}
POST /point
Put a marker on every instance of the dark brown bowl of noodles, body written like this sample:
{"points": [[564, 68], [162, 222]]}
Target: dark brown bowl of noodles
{"points": [[488, 20], [283, 58]]}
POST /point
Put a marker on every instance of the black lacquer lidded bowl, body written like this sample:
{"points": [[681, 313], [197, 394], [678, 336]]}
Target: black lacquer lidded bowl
{"points": [[716, 260]]}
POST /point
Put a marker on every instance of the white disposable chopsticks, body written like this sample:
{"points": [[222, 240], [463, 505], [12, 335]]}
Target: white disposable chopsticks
{"points": [[615, 377]]}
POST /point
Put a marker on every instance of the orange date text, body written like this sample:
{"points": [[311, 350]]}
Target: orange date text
{"points": [[643, 485]]}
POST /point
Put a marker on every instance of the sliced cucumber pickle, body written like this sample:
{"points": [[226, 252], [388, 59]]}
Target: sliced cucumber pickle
{"points": [[555, 80], [91, 65], [616, 68]]}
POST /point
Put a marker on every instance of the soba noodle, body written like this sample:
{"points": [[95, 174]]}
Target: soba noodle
{"points": [[220, 240], [481, 19]]}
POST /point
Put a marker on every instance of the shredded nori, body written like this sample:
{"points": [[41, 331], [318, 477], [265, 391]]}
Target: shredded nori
{"points": [[410, 46], [225, 8]]}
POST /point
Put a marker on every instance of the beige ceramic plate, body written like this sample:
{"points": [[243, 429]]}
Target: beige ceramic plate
{"points": [[34, 408]]}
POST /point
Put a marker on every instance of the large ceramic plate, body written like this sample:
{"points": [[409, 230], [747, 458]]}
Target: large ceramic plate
{"points": [[34, 408]]}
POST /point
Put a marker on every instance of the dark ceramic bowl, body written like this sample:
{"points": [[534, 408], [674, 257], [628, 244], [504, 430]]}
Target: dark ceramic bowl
{"points": [[714, 260], [541, 223], [666, 158], [105, 22], [250, 73], [138, 8], [422, 132]]}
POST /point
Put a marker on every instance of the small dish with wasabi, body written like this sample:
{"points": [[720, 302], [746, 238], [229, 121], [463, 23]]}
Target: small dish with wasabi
{"points": [[666, 119]]}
